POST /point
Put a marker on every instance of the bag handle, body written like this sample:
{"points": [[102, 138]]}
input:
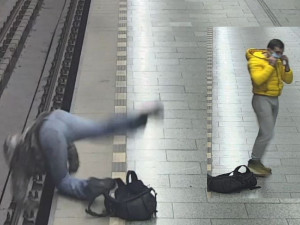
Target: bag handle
{"points": [[113, 200], [106, 196], [119, 182], [221, 175], [131, 174], [92, 213], [107, 211], [236, 170]]}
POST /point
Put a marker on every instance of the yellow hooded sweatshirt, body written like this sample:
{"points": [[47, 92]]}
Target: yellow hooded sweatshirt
{"points": [[266, 79]]}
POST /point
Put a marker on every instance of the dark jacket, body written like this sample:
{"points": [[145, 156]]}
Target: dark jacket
{"points": [[27, 158]]}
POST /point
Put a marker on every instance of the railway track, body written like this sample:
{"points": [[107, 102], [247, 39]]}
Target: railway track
{"points": [[57, 84], [13, 35]]}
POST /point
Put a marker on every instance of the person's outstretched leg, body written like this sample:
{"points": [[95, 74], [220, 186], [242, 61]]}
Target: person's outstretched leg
{"points": [[76, 128], [62, 128]]}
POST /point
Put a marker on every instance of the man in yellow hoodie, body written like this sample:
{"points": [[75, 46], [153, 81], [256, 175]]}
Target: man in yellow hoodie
{"points": [[268, 68]]}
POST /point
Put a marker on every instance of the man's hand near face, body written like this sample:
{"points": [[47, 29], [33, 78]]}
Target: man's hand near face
{"points": [[272, 61], [286, 60]]}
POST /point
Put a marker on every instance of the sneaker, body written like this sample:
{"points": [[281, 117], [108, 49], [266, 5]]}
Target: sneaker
{"points": [[155, 109], [258, 168], [98, 186], [262, 165]]}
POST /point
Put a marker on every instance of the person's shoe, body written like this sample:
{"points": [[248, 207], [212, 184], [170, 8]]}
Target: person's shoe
{"points": [[263, 166], [98, 186], [155, 109], [258, 168], [267, 168]]}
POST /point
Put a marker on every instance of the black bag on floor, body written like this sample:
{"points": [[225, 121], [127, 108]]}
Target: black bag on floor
{"points": [[227, 183], [132, 201]]}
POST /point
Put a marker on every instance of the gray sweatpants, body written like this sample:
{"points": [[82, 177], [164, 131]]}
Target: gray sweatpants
{"points": [[266, 110]]}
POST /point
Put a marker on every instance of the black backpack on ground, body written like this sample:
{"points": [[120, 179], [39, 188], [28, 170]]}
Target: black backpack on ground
{"points": [[225, 183], [132, 201]]}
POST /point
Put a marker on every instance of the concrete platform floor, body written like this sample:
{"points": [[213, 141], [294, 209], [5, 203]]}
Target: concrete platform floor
{"points": [[234, 121], [166, 61]]}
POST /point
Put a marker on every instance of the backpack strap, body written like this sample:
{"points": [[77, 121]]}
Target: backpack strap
{"points": [[247, 171], [256, 187], [131, 174], [155, 196], [120, 183], [236, 170], [222, 175], [104, 213], [92, 213]]}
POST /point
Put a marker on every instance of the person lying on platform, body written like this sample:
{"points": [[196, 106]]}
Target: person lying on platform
{"points": [[48, 146]]}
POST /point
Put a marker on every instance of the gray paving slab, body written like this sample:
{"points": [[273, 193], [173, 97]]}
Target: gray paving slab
{"points": [[178, 31], [203, 164], [273, 210], [78, 221], [184, 133], [161, 144], [182, 81], [159, 89], [157, 181], [191, 114], [198, 123], [290, 200], [178, 123], [150, 168], [290, 162], [147, 155], [280, 187], [189, 156], [180, 97], [157, 74], [293, 178], [247, 196], [181, 194], [175, 222], [209, 210], [286, 170], [188, 181], [273, 179], [249, 221], [295, 195], [201, 143], [165, 210], [293, 221]]}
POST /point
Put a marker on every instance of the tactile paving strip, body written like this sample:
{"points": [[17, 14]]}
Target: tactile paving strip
{"points": [[209, 98], [119, 167]]}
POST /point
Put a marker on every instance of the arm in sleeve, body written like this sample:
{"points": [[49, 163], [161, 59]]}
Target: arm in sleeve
{"points": [[259, 72], [287, 77]]}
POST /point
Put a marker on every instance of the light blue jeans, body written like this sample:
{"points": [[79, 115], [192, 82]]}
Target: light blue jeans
{"points": [[61, 128]]}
